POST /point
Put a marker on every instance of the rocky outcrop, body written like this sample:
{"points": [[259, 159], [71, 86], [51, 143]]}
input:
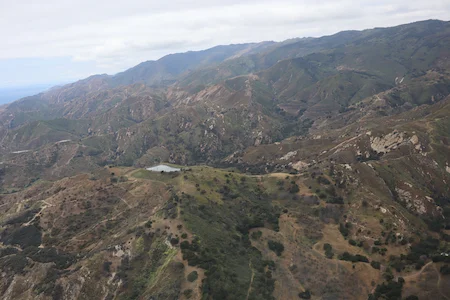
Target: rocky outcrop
{"points": [[388, 142], [412, 203], [288, 155]]}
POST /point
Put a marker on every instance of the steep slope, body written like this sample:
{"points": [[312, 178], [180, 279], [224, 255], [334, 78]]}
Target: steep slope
{"points": [[138, 125], [207, 233], [398, 45], [100, 92], [264, 59], [335, 163], [168, 68]]}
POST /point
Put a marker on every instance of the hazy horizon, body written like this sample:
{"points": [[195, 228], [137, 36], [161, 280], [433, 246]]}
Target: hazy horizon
{"points": [[17, 90], [66, 42], [13, 93]]}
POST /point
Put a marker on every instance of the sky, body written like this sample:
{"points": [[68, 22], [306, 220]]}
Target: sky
{"points": [[58, 41]]}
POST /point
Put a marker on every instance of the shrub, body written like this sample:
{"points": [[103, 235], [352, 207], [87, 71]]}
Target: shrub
{"points": [[46, 255], [14, 263], [328, 250], [187, 293], [58, 292], [336, 200], [343, 229], [270, 264], [389, 290], [25, 237], [305, 295], [256, 235], [426, 247], [353, 258], [107, 266], [185, 245], [184, 235], [294, 189], [445, 269], [8, 251], [397, 263], [323, 180], [192, 276], [375, 264], [276, 247], [327, 247], [23, 217], [322, 195]]}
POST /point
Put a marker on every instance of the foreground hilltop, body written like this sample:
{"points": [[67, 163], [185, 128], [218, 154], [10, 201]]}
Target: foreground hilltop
{"points": [[125, 233], [317, 168]]}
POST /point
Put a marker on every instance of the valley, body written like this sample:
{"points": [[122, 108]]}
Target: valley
{"points": [[306, 169]]}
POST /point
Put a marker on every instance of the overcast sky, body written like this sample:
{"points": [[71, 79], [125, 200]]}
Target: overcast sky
{"points": [[62, 40]]}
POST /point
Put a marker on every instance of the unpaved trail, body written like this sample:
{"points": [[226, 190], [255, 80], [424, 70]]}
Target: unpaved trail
{"points": [[2, 145], [321, 253], [39, 213], [439, 283], [344, 142], [125, 201], [251, 279], [418, 273], [75, 237]]}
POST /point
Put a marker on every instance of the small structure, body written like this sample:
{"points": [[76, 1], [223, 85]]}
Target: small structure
{"points": [[163, 168]]}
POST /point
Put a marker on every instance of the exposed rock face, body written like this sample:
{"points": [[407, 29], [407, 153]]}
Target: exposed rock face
{"points": [[414, 140], [123, 224], [258, 139], [412, 203], [289, 155], [388, 142], [417, 202], [300, 165]]}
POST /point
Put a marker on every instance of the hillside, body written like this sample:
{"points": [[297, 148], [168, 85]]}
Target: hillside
{"points": [[313, 168]]}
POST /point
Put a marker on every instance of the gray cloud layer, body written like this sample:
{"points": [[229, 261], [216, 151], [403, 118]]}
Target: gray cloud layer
{"points": [[118, 34]]}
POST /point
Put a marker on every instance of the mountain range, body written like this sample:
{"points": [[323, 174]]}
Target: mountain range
{"points": [[314, 168]]}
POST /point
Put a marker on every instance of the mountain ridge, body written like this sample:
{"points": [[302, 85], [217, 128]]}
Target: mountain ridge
{"points": [[312, 169]]}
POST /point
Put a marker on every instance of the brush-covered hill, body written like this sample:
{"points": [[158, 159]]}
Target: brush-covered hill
{"points": [[206, 233], [315, 168], [138, 125]]}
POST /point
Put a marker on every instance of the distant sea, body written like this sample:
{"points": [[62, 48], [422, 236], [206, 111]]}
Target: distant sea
{"points": [[10, 94]]}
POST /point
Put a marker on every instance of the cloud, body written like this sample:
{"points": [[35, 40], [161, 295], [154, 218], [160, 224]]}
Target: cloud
{"points": [[115, 35]]}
